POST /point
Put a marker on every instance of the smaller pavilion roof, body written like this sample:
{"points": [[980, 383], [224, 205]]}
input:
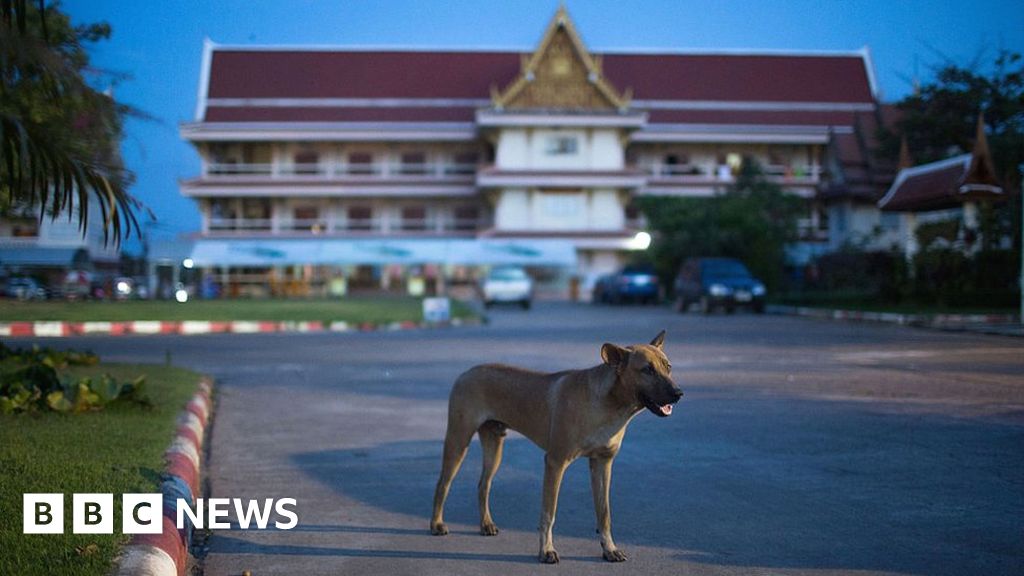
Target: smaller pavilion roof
{"points": [[946, 183]]}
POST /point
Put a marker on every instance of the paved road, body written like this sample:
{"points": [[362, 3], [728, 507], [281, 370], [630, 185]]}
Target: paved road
{"points": [[801, 447]]}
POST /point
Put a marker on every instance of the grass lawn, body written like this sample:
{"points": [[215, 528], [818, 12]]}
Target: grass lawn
{"points": [[355, 309], [116, 450]]}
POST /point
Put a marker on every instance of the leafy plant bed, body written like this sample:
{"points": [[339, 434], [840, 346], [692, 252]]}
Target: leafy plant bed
{"points": [[352, 310], [37, 379], [115, 450]]}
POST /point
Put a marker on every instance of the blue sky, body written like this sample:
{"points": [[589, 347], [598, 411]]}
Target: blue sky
{"points": [[159, 44]]}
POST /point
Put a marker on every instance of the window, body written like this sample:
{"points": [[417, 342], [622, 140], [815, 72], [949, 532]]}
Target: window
{"points": [[822, 219], [562, 205], [256, 213], [840, 218], [466, 218], [360, 218], [890, 220], [360, 163], [561, 145], [414, 218], [632, 213], [25, 228], [306, 162], [223, 214], [676, 163], [413, 163], [307, 218], [463, 163]]}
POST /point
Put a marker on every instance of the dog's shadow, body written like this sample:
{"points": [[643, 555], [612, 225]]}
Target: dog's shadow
{"points": [[400, 477]]}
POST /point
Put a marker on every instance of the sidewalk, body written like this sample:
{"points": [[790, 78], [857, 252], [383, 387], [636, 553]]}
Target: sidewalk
{"points": [[1002, 324]]}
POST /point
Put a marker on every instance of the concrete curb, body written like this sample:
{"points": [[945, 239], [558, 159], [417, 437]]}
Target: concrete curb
{"points": [[49, 329], [166, 554], [947, 321]]}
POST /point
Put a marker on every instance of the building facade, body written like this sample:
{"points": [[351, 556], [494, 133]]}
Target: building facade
{"points": [[46, 248], [329, 169]]}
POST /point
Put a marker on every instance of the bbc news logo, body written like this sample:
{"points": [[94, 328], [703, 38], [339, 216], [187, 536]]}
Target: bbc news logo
{"points": [[143, 513]]}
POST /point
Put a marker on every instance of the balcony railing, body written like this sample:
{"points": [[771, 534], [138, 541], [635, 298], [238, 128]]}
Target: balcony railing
{"points": [[238, 226], [329, 171], [703, 173]]}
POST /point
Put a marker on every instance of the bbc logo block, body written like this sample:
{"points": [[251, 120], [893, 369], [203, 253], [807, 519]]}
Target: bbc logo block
{"points": [[43, 514], [92, 514]]}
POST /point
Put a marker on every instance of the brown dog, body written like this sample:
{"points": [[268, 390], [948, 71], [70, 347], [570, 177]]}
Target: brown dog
{"points": [[568, 414]]}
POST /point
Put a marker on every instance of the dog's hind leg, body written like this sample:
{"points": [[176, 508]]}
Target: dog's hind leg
{"points": [[456, 441], [492, 439]]}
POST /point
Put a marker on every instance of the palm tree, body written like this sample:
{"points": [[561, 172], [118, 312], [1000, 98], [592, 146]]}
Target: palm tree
{"points": [[59, 137]]}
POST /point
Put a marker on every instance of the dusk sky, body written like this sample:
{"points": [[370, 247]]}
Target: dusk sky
{"points": [[159, 45]]}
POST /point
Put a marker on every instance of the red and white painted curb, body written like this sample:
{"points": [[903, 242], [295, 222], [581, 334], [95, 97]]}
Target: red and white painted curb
{"points": [[929, 320], [166, 554], [48, 329]]}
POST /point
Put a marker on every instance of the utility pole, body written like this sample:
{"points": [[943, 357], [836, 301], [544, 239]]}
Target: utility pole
{"points": [[1020, 170]]}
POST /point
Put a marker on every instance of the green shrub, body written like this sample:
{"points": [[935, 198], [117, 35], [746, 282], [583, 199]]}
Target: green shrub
{"points": [[30, 380]]}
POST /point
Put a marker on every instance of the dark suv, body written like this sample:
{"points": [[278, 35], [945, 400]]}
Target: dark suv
{"points": [[717, 283]]}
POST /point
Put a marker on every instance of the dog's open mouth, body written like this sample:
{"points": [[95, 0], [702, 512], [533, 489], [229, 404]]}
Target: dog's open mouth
{"points": [[660, 410]]}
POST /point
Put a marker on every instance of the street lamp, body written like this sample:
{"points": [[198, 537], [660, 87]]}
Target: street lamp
{"points": [[641, 241], [188, 263]]}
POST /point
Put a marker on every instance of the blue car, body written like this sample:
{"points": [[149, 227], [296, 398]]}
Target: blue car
{"points": [[631, 284]]}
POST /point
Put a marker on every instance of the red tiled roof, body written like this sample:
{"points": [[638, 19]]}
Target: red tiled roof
{"points": [[299, 74], [338, 114], [788, 117], [740, 77], [357, 74]]}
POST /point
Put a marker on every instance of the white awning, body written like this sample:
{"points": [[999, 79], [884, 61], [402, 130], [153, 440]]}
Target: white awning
{"points": [[274, 252]]}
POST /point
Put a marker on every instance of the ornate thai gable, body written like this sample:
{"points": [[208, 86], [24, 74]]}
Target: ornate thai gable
{"points": [[560, 75]]}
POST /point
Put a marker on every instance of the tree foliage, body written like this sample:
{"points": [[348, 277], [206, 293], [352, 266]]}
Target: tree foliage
{"points": [[940, 117], [752, 221], [59, 136]]}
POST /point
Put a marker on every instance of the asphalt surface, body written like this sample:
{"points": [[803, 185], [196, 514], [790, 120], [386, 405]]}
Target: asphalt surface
{"points": [[801, 447]]}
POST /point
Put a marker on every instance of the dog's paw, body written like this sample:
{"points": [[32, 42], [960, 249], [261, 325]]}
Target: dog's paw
{"points": [[438, 529], [489, 529], [614, 555], [549, 557]]}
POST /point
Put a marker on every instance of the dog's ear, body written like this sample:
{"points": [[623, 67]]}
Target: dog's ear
{"points": [[613, 355], [659, 340]]}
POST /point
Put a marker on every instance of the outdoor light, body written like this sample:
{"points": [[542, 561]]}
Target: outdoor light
{"points": [[188, 263], [181, 295], [641, 241], [123, 287]]}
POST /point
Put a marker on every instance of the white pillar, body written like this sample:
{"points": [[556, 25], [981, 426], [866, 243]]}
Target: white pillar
{"points": [[910, 246]]}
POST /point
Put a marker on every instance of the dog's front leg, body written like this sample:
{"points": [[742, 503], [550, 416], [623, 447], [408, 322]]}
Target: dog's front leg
{"points": [[554, 469], [600, 483]]}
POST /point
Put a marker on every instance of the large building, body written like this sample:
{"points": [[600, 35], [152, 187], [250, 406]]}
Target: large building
{"points": [[375, 166]]}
